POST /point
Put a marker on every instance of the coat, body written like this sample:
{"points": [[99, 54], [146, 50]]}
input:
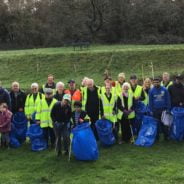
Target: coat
{"points": [[5, 121]]}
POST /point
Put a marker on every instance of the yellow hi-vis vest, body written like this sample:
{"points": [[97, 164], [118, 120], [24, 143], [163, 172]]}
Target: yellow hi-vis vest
{"points": [[169, 84], [84, 96], [108, 107], [130, 103], [30, 104], [146, 100], [43, 113], [137, 92], [118, 88]]}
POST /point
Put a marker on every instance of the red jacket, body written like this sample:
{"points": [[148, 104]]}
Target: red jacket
{"points": [[5, 121]]}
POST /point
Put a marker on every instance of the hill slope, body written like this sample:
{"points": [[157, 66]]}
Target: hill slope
{"points": [[27, 66]]}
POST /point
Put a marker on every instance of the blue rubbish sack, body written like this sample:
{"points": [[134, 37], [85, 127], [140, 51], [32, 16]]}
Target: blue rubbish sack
{"points": [[38, 144], [19, 128], [35, 133], [148, 132], [177, 127], [14, 143], [84, 145], [104, 129]]}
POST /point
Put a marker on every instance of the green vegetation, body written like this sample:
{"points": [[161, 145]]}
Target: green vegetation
{"points": [[27, 66], [161, 164]]}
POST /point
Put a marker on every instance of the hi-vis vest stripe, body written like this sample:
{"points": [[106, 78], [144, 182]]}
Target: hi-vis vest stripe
{"points": [[30, 104], [108, 107], [43, 113], [130, 103]]}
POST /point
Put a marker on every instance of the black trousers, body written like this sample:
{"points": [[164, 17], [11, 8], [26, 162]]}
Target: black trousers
{"points": [[49, 135], [62, 132], [126, 131], [161, 127], [93, 127]]}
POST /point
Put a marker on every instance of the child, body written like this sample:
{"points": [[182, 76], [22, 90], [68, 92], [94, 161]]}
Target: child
{"points": [[78, 115], [5, 124]]}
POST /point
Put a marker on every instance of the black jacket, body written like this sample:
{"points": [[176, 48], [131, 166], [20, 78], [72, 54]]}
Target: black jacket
{"points": [[176, 92], [61, 114], [17, 101], [5, 97]]}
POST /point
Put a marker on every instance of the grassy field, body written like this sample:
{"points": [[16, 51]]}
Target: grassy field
{"points": [[32, 65], [161, 164]]}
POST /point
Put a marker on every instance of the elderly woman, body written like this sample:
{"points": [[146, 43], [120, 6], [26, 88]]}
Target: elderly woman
{"points": [[125, 106], [60, 91], [32, 100], [18, 98]]}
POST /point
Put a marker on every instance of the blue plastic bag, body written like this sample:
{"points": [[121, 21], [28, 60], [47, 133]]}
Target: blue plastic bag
{"points": [[148, 132], [14, 143], [84, 146], [105, 134], [35, 133], [177, 127]]}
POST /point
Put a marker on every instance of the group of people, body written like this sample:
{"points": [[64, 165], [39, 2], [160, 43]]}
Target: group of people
{"points": [[58, 109]]}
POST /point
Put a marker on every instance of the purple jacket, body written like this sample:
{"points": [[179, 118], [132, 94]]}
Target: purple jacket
{"points": [[5, 121]]}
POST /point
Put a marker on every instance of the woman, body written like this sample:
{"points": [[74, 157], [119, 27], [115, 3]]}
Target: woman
{"points": [[147, 85]]}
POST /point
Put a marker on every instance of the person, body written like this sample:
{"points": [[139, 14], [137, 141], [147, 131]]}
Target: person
{"points": [[147, 85], [159, 101], [50, 84], [75, 93], [166, 80], [107, 103], [107, 81], [78, 115], [32, 100], [18, 98], [5, 125], [126, 113], [61, 115], [91, 103], [136, 89], [43, 116], [60, 91], [176, 91], [119, 82], [5, 96]]}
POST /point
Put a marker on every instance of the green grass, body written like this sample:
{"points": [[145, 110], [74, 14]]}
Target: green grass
{"points": [[27, 66], [161, 164]]}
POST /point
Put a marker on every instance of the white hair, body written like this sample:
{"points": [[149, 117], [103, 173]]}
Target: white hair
{"points": [[34, 85], [126, 84], [60, 84], [15, 83]]}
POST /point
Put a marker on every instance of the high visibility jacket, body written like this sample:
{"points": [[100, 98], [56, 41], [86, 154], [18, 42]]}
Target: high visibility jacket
{"points": [[108, 107], [137, 92], [54, 90], [118, 88], [31, 105], [146, 100], [43, 113], [113, 90], [76, 96], [84, 96], [130, 104], [167, 86]]}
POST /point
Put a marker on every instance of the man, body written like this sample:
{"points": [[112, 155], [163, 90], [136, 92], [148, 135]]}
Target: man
{"points": [[43, 117], [108, 100], [75, 93], [61, 114], [50, 84], [91, 103], [176, 91], [5, 97], [60, 91], [119, 83], [159, 101], [136, 89], [32, 100], [166, 80], [18, 98]]}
